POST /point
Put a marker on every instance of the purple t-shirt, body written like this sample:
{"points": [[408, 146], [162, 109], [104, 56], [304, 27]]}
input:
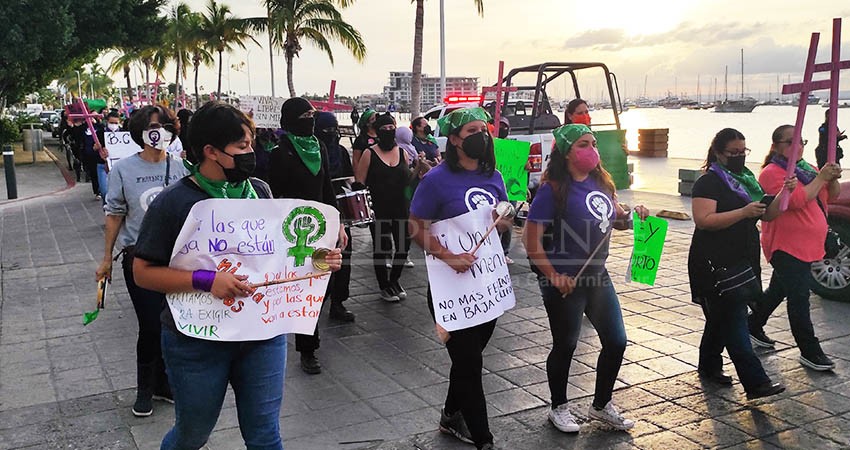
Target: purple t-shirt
{"points": [[587, 218], [443, 194]]}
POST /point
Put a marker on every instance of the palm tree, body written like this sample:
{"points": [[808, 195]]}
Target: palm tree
{"points": [[224, 32], [179, 39], [128, 57], [315, 21], [198, 48], [416, 81]]}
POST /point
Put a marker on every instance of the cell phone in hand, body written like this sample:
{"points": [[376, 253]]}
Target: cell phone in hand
{"points": [[767, 200]]}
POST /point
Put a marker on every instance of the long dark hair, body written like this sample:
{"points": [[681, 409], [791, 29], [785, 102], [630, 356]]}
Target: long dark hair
{"points": [[486, 164], [718, 144], [572, 106], [775, 137], [558, 175]]}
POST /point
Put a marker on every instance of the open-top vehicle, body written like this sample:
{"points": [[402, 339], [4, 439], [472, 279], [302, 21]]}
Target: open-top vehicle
{"points": [[832, 275]]}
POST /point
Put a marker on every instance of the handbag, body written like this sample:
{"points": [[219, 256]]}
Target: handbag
{"points": [[738, 281]]}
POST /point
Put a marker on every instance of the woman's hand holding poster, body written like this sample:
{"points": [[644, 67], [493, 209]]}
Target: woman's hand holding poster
{"points": [[482, 293], [266, 240]]}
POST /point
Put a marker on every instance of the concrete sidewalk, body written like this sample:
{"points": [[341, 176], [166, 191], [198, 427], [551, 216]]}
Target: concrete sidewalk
{"points": [[385, 375]]}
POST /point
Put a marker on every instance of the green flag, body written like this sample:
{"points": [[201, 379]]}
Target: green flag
{"points": [[648, 246], [89, 317], [511, 157]]}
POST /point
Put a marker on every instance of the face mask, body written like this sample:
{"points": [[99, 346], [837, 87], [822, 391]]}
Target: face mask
{"points": [[303, 126], [428, 130], [583, 119], [243, 167], [503, 132], [158, 138], [386, 139], [735, 164], [475, 145], [585, 159], [113, 126]]}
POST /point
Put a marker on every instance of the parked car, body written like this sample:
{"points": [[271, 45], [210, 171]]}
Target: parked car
{"points": [[832, 275], [48, 119]]}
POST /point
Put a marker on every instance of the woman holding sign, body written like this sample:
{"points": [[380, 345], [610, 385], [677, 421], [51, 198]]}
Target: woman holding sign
{"points": [[727, 203], [199, 369], [466, 180], [566, 236]]}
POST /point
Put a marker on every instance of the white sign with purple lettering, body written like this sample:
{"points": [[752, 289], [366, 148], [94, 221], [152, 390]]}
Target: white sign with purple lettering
{"points": [[268, 240], [482, 293], [120, 145]]}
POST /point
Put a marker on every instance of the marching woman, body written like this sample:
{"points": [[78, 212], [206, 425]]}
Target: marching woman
{"points": [[134, 182], [367, 136], [727, 203], [578, 201], [423, 140], [200, 370], [791, 243], [465, 181], [299, 168]]}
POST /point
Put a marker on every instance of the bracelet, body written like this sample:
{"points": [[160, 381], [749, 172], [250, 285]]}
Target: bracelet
{"points": [[202, 280]]}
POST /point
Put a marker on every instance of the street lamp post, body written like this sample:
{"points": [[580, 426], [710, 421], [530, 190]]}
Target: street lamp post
{"points": [[79, 85], [91, 88], [442, 49]]}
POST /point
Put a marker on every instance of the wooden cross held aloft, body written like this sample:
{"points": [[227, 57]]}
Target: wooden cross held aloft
{"points": [[87, 116], [807, 86], [499, 89], [331, 105], [155, 85]]}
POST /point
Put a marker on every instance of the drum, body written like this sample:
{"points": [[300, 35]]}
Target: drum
{"points": [[356, 207]]}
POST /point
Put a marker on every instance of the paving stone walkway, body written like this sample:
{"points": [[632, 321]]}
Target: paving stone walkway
{"points": [[385, 376]]}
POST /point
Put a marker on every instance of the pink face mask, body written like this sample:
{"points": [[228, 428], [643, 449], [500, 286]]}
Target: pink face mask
{"points": [[585, 159]]}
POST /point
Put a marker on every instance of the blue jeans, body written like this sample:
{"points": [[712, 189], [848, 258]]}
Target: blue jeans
{"points": [[594, 296], [199, 371], [102, 181], [726, 326], [791, 278]]}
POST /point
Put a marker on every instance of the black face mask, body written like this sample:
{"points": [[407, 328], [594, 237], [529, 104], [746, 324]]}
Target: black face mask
{"points": [[386, 139], [428, 130], [303, 126], [475, 145], [503, 132], [243, 167], [735, 164]]}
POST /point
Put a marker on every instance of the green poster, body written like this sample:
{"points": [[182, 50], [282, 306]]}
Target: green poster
{"points": [[511, 157], [649, 244]]}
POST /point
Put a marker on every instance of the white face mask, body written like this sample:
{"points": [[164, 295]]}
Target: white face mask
{"points": [[113, 126], [158, 138]]}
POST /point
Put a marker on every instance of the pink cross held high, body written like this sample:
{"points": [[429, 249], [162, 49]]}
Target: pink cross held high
{"points": [[804, 88], [500, 90], [331, 104], [87, 116]]}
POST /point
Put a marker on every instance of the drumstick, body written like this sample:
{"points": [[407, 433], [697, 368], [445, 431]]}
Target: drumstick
{"points": [[491, 227], [289, 280], [590, 258]]}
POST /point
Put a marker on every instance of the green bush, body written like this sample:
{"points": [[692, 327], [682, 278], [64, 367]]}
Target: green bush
{"points": [[9, 131]]}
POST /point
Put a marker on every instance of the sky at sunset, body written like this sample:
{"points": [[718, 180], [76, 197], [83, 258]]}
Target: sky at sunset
{"points": [[666, 43]]}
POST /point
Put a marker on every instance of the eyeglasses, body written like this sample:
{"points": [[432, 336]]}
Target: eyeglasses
{"points": [[167, 127], [789, 141], [745, 151]]}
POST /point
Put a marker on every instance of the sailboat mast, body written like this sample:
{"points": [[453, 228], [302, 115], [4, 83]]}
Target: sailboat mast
{"points": [[726, 85], [742, 73]]}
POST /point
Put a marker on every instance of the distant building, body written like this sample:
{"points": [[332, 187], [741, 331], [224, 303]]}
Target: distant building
{"points": [[399, 88], [375, 101]]}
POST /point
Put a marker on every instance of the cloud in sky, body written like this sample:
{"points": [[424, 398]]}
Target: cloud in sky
{"points": [[613, 40]]}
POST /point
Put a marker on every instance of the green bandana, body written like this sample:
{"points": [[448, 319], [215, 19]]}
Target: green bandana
{"points": [[221, 189], [566, 135], [432, 139], [748, 181], [308, 149], [461, 117], [364, 118]]}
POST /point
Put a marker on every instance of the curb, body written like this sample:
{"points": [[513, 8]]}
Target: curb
{"points": [[67, 175]]}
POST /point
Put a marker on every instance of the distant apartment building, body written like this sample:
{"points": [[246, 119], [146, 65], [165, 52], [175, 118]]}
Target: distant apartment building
{"points": [[398, 90]]}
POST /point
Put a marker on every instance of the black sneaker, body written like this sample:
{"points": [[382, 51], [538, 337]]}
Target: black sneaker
{"points": [[389, 295], [310, 364], [817, 362], [455, 426], [765, 390], [759, 339], [340, 313], [144, 404], [399, 291], [716, 376]]}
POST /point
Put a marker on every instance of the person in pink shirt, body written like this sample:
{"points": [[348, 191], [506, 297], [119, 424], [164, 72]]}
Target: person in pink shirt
{"points": [[791, 243]]}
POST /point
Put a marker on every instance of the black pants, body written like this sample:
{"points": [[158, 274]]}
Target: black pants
{"points": [[386, 234], [342, 278], [90, 166], [309, 343], [148, 305]]}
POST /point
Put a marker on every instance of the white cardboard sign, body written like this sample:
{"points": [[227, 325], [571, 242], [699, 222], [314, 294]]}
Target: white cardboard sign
{"points": [[120, 145], [265, 110], [482, 293], [266, 239]]}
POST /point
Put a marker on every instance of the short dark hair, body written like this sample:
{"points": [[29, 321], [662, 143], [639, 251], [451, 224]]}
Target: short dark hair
{"points": [[113, 114], [141, 118], [217, 124], [572, 106], [718, 144]]}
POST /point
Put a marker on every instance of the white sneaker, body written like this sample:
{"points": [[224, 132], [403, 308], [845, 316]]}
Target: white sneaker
{"points": [[408, 263], [388, 263], [563, 419], [611, 416]]}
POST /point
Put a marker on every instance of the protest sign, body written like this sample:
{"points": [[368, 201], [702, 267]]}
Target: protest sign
{"points": [[266, 240], [265, 110], [648, 246], [511, 157], [482, 293], [120, 145]]}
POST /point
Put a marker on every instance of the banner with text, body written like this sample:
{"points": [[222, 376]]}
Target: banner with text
{"points": [[482, 293], [120, 145], [650, 235], [264, 109], [511, 157], [266, 240]]}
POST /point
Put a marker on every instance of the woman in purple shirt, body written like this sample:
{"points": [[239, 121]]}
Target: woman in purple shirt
{"points": [[568, 227]]}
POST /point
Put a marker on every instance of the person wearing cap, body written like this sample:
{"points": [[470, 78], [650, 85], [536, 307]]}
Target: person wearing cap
{"points": [[465, 181], [367, 136], [299, 168], [577, 202]]}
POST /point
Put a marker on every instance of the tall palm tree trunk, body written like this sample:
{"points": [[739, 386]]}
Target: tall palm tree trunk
{"points": [[148, 80], [218, 90], [129, 84], [289, 61], [197, 62], [416, 81]]}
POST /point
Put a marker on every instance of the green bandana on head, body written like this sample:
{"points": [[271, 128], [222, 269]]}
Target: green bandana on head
{"points": [[566, 135], [220, 189], [307, 148], [364, 118], [461, 117]]}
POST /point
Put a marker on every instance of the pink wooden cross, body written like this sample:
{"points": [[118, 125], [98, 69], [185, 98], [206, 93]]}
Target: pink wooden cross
{"points": [[499, 89], [155, 85], [87, 116], [330, 105]]}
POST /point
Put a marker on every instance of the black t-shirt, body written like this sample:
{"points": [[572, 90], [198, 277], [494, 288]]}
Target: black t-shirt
{"points": [[164, 220], [363, 141], [723, 248], [289, 177]]}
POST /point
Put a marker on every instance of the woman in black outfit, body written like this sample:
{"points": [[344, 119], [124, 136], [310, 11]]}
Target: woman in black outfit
{"points": [[298, 168], [367, 136], [384, 168]]}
